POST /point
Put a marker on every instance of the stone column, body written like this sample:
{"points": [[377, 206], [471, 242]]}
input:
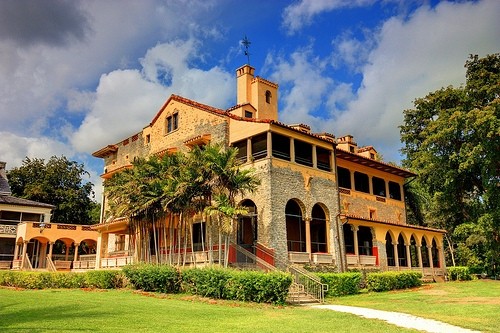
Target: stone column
{"points": [[441, 257], [16, 251], [419, 252], [23, 255], [67, 252], [51, 247], [429, 251], [307, 221], [355, 229], [98, 252], [314, 157], [269, 142], [249, 149], [408, 255], [75, 257], [292, 150], [396, 255]]}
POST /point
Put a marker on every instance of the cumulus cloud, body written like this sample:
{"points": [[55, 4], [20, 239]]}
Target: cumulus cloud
{"points": [[15, 148], [301, 13], [413, 57], [51, 22], [303, 86], [126, 100]]}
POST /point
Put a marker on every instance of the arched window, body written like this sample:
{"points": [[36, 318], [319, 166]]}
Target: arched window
{"points": [[247, 226], [268, 97], [402, 251], [318, 230], [295, 227], [389, 249]]}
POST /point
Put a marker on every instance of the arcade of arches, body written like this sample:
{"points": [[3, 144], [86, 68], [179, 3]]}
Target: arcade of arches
{"points": [[392, 246]]}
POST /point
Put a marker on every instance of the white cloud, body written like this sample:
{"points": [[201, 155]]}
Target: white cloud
{"points": [[308, 87], [412, 58], [15, 148], [300, 14], [126, 100]]}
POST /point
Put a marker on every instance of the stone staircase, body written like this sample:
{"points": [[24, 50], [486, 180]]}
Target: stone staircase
{"points": [[298, 296]]}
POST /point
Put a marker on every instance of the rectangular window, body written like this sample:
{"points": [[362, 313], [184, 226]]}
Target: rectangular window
{"points": [[344, 176], [394, 191], [323, 159], [281, 146], [259, 146], [378, 186], [172, 122], [248, 114], [148, 138], [199, 236], [242, 150], [361, 182], [303, 153]]}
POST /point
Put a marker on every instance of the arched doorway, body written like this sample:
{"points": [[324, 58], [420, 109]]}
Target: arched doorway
{"points": [[413, 252], [402, 251], [435, 254], [247, 227], [295, 227], [318, 230], [425, 254], [389, 249], [365, 241]]}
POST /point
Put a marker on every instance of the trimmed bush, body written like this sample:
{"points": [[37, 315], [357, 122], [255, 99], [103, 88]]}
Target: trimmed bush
{"points": [[104, 279], [392, 280], [156, 278], [206, 282], [258, 287], [251, 286], [45, 280], [459, 273], [340, 284]]}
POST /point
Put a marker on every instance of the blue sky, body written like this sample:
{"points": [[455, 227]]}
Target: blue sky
{"points": [[78, 75]]}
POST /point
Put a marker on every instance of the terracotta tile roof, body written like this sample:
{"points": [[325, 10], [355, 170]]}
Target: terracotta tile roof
{"points": [[366, 148], [410, 226], [383, 166], [190, 102]]}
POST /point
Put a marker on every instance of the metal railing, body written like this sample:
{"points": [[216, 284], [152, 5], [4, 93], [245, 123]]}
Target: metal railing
{"points": [[50, 265], [311, 283], [258, 262]]}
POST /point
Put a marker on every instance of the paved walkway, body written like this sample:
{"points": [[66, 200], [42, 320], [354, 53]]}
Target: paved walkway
{"points": [[399, 319]]}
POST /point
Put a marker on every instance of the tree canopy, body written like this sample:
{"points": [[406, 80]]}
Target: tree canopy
{"points": [[206, 180], [452, 141], [59, 182]]}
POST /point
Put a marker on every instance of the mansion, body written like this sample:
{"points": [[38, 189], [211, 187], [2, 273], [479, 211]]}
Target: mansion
{"points": [[322, 200]]}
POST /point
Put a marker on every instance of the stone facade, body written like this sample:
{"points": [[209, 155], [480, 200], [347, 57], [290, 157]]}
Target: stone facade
{"points": [[297, 169]]}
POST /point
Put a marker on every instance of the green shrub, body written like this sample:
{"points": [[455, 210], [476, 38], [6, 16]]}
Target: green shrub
{"points": [[340, 284], [258, 287], [156, 278], [104, 279], [207, 282], [392, 280], [42, 280], [459, 273]]}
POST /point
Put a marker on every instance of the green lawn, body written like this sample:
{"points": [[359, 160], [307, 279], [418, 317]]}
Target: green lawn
{"points": [[125, 311], [471, 304]]}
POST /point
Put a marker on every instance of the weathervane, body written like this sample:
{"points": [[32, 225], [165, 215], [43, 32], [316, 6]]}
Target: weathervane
{"points": [[246, 44]]}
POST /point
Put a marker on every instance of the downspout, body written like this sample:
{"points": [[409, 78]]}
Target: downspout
{"points": [[340, 236]]}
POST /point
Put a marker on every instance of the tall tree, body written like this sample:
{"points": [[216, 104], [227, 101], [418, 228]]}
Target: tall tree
{"points": [[59, 182], [452, 140]]}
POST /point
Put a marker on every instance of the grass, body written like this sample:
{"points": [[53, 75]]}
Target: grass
{"points": [[472, 304], [65, 310]]}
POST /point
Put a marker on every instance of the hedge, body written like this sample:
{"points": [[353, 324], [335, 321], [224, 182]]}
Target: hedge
{"points": [[150, 277], [231, 284], [340, 284], [392, 280], [459, 273], [44, 280]]}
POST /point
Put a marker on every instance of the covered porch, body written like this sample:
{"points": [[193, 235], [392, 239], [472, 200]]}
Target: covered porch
{"points": [[393, 247], [54, 247]]}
